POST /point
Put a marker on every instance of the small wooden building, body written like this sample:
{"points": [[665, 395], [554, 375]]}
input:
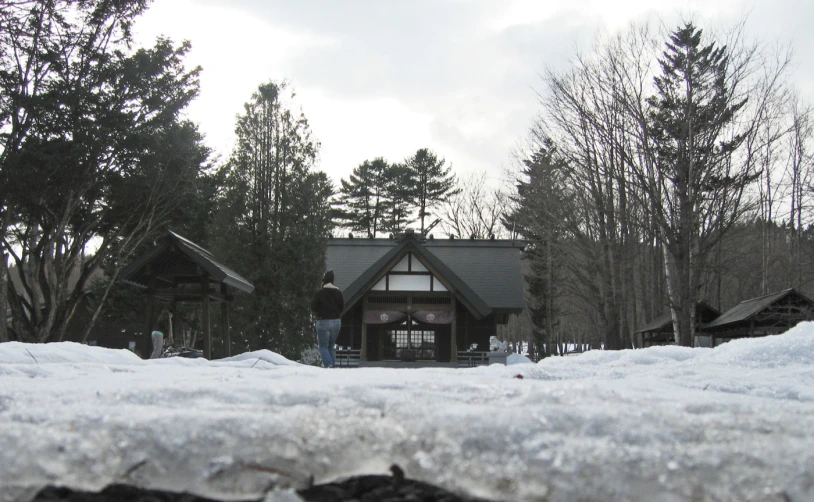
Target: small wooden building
{"points": [[178, 270], [766, 315], [660, 330], [411, 298]]}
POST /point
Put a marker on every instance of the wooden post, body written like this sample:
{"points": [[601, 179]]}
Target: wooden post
{"points": [[150, 312], [453, 333], [224, 322], [171, 321], [363, 354], [207, 341]]}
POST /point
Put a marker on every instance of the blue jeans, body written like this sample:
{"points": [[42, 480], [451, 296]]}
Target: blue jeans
{"points": [[327, 333]]}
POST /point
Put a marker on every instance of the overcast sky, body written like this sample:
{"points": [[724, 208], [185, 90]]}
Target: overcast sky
{"points": [[384, 78]]}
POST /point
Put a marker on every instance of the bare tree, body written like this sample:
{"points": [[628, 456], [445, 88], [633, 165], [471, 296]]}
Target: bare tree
{"points": [[663, 151], [705, 141], [800, 165], [475, 210]]}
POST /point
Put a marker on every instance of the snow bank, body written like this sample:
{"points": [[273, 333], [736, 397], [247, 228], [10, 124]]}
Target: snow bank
{"points": [[257, 355], [665, 423], [517, 359], [63, 352], [794, 349]]}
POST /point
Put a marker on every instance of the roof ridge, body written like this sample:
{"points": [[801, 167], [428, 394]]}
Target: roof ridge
{"points": [[766, 295]]}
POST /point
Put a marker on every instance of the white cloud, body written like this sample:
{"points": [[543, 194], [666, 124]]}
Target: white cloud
{"points": [[376, 127], [237, 52], [384, 79]]}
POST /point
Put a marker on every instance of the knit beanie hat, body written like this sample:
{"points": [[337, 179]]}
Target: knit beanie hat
{"points": [[328, 277]]}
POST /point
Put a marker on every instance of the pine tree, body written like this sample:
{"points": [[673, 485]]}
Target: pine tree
{"points": [[692, 121], [429, 182], [541, 209], [273, 222], [363, 197], [397, 210]]}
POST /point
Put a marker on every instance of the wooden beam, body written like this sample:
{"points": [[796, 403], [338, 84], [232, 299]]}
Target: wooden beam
{"points": [[196, 299], [224, 323], [171, 323], [363, 354], [190, 294], [453, 335], [149, 314], [188, 279], [207, 341]]}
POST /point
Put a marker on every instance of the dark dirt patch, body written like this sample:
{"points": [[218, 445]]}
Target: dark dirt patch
{"points": [[394, 488]]}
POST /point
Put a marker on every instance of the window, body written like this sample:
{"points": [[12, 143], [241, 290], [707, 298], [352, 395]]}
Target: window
{"points": [[407, 336], [403, 265], [381, 285], [408, 274], [410, 282]]}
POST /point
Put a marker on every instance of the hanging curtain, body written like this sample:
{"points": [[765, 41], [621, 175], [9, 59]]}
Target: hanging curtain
{"points": [[434, 316], [382, 316]]}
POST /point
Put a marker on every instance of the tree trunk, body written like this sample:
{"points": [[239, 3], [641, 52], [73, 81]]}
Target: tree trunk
{"points": [[3, 297]]}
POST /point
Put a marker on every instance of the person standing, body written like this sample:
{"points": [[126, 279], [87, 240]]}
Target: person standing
{"points": [[327, 306]]}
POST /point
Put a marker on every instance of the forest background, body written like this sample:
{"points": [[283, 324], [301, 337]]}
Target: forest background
{"points": [[668, 165]]}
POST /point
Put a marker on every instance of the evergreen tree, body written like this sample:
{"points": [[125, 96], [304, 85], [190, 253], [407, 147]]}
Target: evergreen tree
{"points": [[397, 210], [694, 128], [273, 222], [429, 182], [363, 197], [540, 215], [92, 150]]}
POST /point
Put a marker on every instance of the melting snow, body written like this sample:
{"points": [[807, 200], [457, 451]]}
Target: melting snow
{"points": [[664, 424]]}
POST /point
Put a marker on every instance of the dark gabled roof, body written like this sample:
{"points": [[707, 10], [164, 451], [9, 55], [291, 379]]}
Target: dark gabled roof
{"points": [[136, 274], [356, 262], [658, 324], [664, 322], [486, 274], [748, 308], [491, 268]]}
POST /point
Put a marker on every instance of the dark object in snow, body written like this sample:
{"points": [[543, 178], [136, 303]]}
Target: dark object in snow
{"points": [[394, 488], [378, 488], [183, 352], [120, 493], [398, 473]]}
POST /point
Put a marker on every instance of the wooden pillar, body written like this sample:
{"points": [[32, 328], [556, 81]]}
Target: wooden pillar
{"points": [[224, 322], [363, 354], [171, 321], [453, 333], [148, 325], [207, 334]]}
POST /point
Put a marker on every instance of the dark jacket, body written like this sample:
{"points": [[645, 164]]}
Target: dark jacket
{"points": [[328, 302]]}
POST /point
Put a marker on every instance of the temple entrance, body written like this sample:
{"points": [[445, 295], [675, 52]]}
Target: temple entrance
{"points": [[409, 340]]}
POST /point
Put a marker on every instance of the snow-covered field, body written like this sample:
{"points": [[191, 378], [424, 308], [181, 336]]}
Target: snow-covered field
{"points": [[660, 424]]}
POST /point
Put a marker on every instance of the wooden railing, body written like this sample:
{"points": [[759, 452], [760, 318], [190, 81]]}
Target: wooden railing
{"points": [[469, 359], [348, 358]]}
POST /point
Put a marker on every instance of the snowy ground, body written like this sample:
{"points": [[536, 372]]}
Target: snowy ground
{"points": [[660, 424]]}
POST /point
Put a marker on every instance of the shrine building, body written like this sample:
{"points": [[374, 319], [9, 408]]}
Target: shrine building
{"points": [[412, 298]]}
